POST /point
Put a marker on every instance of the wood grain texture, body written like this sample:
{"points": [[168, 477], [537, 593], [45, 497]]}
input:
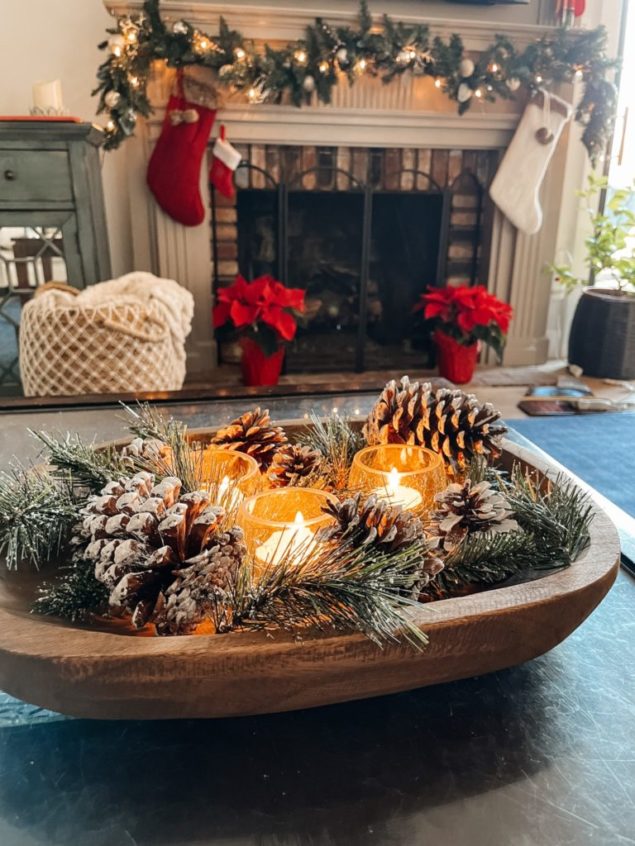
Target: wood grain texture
{"points": [[112, 674]]}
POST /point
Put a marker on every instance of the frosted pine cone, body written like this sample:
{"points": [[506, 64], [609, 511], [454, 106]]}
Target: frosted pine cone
{"points": [[151, 450], [371, 522], [140, 534], [254, 434], [294, 465], [467, 508], [449, 422], [202, 590]]}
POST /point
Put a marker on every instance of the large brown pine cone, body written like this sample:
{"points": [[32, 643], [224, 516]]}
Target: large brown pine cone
{"points": [[140, 534], [254, 434], [449, 422], [466, 508], [294, 465]]}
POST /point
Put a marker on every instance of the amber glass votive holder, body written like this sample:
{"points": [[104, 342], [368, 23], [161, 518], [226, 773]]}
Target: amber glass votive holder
{"points": [[401, 474], [280, 525], [229, 476]]}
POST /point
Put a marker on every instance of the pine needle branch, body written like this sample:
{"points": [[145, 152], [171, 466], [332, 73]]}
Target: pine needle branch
{"points": [[80, 462], [146, 422], [37, 515], [345, 589], [558, 514], [337, 442], [482, 559], [76, 595]]}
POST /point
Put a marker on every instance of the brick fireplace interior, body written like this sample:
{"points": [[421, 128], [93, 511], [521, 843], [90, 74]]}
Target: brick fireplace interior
{"points": [[364, 231]]}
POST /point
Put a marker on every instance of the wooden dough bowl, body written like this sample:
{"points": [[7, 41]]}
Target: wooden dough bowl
{"points": [[106, 672]]}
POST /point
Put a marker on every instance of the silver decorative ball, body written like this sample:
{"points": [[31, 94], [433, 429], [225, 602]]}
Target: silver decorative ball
{"points": [[342, 56], [513, 83], [466, 68], [225, 71], [309, 84], [403, 58], [112, 99], [179, 28], [464, 93]]}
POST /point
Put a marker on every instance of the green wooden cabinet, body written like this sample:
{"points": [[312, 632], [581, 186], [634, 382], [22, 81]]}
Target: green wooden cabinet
{"points": [[52, 218]]}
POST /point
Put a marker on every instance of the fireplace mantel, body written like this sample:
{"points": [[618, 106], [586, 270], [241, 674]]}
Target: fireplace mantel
{"points": [[407, 113]]}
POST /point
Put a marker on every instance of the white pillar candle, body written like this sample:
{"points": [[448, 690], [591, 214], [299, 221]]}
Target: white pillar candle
{"points": [[294, 538], [48, 95], [397, 494]]}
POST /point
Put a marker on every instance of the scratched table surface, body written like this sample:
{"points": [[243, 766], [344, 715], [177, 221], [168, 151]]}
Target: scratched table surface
{"points": [[535, 755]]}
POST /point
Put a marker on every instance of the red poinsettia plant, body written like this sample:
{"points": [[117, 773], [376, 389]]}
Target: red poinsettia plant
{"points": [[468, 314], [262, 310]]}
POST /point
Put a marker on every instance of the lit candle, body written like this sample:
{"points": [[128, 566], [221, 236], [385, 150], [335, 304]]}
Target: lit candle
{"points": [[397, 494], [294, 538], [228, 499], [47, 97]]}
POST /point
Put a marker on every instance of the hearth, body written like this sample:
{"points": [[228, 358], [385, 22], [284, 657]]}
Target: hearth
{"points": [[364, 232]]}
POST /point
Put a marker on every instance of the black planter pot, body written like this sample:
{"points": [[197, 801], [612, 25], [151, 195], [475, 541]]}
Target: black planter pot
{"points": [[602, 340]]}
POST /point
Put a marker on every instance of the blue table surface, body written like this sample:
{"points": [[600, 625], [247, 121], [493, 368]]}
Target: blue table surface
{"points": [[539, 754]]}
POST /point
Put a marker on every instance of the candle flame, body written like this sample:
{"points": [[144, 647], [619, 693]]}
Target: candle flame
{"points": [[224, 485], [299, 520], [393, 481]]}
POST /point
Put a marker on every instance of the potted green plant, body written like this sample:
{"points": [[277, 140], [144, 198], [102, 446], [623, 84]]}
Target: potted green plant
{"points": [[460, 318], [602, 339], [262, 313]]}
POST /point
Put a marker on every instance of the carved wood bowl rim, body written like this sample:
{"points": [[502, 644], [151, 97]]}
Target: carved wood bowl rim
{"points": [[87, 672]]}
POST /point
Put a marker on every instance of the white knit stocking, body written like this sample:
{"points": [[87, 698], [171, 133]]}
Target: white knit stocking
{"points": [[516, 186]]}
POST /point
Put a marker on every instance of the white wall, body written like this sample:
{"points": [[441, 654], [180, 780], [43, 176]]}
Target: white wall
{"points": [[57, 39]]}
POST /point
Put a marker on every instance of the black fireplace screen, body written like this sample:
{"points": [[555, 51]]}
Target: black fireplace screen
{"points": [[363, 255]]}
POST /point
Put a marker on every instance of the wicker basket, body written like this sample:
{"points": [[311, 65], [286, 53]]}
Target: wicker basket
{"points": [[126, 335]]}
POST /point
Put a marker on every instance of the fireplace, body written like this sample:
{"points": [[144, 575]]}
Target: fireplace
{"points": [[364, 231]]}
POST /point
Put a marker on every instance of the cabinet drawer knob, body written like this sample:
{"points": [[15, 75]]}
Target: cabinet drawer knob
{"points": [[9, 175]]}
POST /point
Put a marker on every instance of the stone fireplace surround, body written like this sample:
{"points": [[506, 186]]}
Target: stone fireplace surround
{"points": [[409, 116]]}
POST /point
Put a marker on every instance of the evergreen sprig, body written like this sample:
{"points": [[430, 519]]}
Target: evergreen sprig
{"points": [[37, 515], [558, 515], [81, 463], [337, 442], [75, 595], [313, 65], [144, 421], [335, 588]]}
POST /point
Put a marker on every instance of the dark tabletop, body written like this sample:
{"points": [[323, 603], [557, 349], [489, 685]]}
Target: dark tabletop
{"points": [[539, 754]]}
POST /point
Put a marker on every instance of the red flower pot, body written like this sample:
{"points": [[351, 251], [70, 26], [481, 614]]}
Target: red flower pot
{"points": [[455, 361], [258, 368]]}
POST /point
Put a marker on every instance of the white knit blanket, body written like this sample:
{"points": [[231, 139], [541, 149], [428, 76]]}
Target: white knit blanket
{"points": [[176, 303]]}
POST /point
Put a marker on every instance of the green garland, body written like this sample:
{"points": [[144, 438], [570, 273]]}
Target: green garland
{"points": [[312, 66]]}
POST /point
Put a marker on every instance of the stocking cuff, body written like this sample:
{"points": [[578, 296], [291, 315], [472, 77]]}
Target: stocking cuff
{"points": [[228, 155]]}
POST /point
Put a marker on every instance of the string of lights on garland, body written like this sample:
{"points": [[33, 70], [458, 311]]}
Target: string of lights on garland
{"points": [[312, 66]]}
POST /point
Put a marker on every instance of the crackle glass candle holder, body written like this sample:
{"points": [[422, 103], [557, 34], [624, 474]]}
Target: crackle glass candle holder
{"points": [[229, 476], [280, 525], [409, 476]]}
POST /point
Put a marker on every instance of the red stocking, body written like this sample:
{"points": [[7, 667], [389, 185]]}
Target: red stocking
{"points": [[226, 159], [175, 165]]}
